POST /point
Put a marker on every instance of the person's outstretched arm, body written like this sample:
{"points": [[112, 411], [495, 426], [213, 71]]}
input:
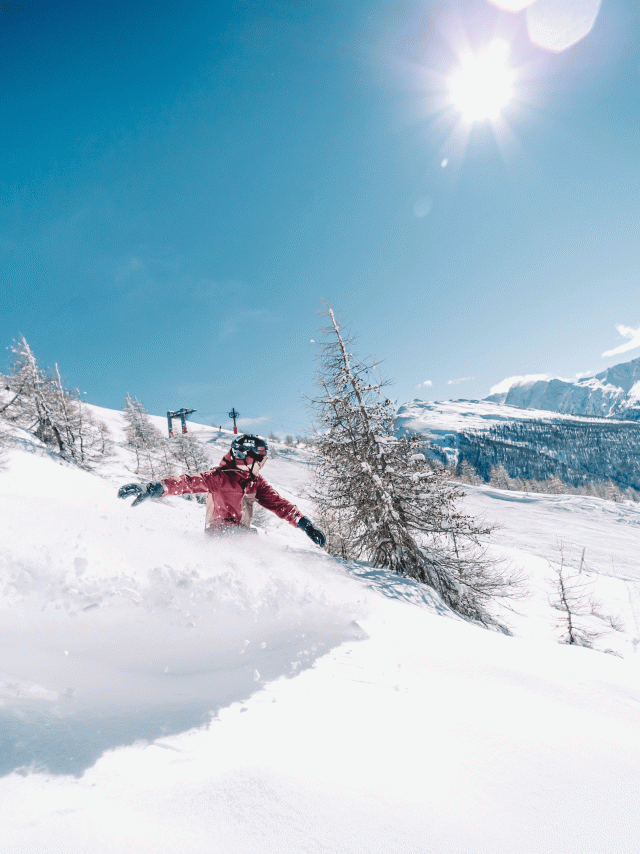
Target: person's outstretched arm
{"points": [[183, 484], [267, 497]]}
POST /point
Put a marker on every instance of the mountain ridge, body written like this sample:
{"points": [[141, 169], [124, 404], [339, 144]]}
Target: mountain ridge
{"points": [[613, 393]]}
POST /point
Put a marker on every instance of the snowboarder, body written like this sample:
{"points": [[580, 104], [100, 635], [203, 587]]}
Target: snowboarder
{"points": [[231, 489]]}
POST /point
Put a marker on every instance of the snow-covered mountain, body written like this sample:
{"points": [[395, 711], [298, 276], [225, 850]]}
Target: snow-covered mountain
{"points": [[614, 393], [582, 432]]}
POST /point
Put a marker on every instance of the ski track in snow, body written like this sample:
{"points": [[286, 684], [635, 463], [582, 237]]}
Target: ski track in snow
{"points": [[160, 691]]}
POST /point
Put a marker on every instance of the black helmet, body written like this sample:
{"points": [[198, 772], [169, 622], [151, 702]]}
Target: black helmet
{"points": [[249, 445]]}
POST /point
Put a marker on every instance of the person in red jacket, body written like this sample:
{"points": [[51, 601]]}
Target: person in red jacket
{"points": [[231, 488]]}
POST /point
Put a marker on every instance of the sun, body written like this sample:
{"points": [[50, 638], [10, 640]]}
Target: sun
{"points": [[483, 85]]}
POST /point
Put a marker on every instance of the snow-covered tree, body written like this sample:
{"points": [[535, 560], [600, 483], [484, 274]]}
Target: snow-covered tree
{"points": [[467, 473], [632, 494], [499, 477], [274, 441], [86, 440], [28, 398], [191, 455], [153, 457], [4, 400], [381, 500], [610, 491], [555, 485], [36, 400]]}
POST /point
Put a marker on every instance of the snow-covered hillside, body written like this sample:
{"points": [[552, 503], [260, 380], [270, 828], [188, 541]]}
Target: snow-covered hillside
{"points": [[163, 692], [614, 393], [442, 421], [529, 444]]}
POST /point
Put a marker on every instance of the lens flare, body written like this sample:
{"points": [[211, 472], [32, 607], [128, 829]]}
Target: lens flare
{"points": [[483, 85], [512, 5], [556, 25]]}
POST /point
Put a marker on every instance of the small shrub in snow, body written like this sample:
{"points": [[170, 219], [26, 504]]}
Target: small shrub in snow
{"points": [[582, 621]]}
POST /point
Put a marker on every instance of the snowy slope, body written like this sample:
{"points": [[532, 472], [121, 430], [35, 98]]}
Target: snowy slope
{"points": [[161, 692]]}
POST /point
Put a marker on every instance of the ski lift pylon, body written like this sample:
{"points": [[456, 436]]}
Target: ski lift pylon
{"points": [[182, 415]]}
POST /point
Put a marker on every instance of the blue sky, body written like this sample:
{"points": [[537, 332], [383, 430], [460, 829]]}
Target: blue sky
{"points": [[181, 186]]}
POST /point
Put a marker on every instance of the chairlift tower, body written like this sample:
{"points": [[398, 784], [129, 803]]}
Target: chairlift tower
{"points": [[182, 415]]}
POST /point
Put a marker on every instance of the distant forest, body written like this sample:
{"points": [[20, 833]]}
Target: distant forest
{"points": [[578, 453]]}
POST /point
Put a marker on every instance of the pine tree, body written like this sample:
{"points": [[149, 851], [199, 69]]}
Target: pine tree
{"points": [[382, 501]]}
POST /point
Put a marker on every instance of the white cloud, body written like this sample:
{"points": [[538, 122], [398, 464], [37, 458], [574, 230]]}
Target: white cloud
{"points": [[626, 332], [128, 267], [252, 422], [460, 380], [506, 384], [423, 206]]}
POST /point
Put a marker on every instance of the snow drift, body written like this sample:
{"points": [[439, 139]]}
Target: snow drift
{"points": [[128, 624]]}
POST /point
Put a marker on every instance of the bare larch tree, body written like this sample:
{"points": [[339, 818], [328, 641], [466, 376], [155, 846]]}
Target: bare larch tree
{"points": [[190, 454], [381, 500], [153, 457], [37, 400], [573, 598]]}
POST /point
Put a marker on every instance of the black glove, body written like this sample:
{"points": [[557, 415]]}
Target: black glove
{"points": [[315, 533], [142, 491]]}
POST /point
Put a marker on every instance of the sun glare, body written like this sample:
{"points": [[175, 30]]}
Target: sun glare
{"points": [[483, 85]]}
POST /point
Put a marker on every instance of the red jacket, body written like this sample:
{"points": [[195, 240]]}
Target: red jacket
{"points": [[231, 493]]}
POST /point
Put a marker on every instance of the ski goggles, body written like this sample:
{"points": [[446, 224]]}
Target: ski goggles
{"points": [[257, 454]]}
